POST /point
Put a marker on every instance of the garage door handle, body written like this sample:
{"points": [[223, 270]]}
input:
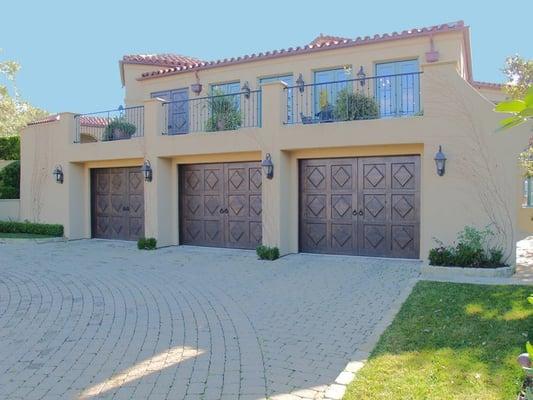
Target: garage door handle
{"points": [[361, 212], [224, 211], [125, 208], [355, 212]]}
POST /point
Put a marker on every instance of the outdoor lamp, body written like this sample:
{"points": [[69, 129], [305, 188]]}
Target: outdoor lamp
{"points": [[268, 167], [361, 75], [246, 90], [58, 173], [300, 83], [440, 161], [146, 169]]}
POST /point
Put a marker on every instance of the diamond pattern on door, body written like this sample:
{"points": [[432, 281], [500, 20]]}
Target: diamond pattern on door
{"points": [[117, 204], [230, 208], [361, 206]]}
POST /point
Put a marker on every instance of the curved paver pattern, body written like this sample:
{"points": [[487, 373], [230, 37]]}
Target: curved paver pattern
{"points": [[100, 319]]}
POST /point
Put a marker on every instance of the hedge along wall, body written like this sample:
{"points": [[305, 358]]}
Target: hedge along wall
{"points": [[9, 148]]}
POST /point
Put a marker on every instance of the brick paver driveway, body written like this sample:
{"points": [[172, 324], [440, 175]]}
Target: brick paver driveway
{"points": [[97, 319]]}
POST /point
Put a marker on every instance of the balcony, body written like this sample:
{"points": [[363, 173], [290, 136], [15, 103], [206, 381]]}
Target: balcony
{"points": [[221, 112], [110, 125], [386, 96]]}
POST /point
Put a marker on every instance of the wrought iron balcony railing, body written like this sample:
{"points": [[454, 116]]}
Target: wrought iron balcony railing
{"points": [[354, 99], [222, 112], [110, 125]]}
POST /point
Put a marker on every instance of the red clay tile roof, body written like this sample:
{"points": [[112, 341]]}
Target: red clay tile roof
{"points": [[333, 43], [50, 118], [323, 39], [162, 60], [487, 85], [85, 120]]}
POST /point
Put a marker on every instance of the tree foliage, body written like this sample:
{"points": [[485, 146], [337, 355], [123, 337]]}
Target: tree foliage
{"points": [[15, 112], [10, 181], [521, 110], [519, 72]]}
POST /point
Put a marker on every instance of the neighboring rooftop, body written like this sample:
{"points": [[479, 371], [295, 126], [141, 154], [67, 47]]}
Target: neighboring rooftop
{"points": [[175, 64]]}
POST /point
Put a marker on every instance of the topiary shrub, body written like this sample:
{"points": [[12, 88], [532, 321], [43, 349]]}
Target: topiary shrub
{"points": [[267, 253], [351, 106], [9, 148], [147, 244], [10, 181], [224, 114], [31, 227], [118, 129]]}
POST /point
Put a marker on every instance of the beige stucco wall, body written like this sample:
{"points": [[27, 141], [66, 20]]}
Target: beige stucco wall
{"points": [[480, 187], [449, 45], [9, 210]]}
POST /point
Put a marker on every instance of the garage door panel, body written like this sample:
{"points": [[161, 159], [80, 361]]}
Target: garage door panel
{"points": [[117, 205], [342, 238], [227, 203], [366, 206]]}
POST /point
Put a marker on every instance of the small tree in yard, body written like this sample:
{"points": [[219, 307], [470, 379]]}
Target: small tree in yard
{"points": [[15, 113]]}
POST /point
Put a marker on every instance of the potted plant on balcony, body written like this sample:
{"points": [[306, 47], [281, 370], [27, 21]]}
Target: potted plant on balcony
{"points": [[351, 106], [224, 113], [117, 129], [326, 109]]}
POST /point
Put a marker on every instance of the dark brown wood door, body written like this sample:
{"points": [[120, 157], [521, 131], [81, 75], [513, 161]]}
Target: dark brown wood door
{"points": [[220, 205], [361, 206], [117, 203]]}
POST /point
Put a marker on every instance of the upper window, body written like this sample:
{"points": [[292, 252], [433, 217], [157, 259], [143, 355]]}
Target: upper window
{"points": [[289, 81], [226, 88], [328, 84], [398, 88], [528, 193]]}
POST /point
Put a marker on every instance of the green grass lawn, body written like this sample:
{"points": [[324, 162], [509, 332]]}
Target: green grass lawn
{"points": [[4, 235], [450, 341]]}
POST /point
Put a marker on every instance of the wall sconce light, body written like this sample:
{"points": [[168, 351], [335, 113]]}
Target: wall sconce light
{"points": [[440, 161], [268, 166], [361, 76], [300, 83], [146, 169], [58, 173], [246, 90]]}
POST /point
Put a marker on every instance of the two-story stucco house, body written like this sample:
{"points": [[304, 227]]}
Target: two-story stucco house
{"points": [[347, 131]]}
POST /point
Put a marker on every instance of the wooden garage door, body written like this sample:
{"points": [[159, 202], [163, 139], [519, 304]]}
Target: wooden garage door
{"points": [[361, 206], [117, 203], [220, 205]]}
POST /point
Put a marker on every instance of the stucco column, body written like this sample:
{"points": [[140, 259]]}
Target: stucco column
{"points": [[159, 213], [276, 191]]}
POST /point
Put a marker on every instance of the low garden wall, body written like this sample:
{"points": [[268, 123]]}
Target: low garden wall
{"points": [[9, 210]]}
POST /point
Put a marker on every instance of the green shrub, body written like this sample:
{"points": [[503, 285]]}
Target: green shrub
{"points": [[31, 227], [267, 253], [350, 106], [224, 114], [441, 256], [118, 128], [147, 244], [9, 148], [10, 181], [473, 250]]}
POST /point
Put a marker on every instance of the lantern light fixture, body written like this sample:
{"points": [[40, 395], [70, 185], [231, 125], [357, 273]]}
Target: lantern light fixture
{"points": [[300, 83], [146, 169], [58, 173], [268, 166], [361, 76], [440, 161], [246, 90]]}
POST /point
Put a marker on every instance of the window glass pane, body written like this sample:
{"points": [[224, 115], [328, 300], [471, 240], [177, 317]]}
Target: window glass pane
{"points": [[228, 88], [398, 91], [328, 84]]}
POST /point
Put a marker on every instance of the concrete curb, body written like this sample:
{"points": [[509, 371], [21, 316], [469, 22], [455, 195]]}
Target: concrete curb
{"points": [[29, 240], [337, 390], [431, 271]]}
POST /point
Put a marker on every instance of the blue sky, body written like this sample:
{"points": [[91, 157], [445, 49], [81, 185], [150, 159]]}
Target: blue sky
{"points": [[69, 50]]}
